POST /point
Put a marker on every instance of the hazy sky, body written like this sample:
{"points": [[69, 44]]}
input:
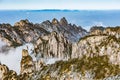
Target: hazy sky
{"points": [[60, 4]]}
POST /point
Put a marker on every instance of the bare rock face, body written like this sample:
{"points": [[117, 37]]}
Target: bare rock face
{"points": [[53, 45], [3, 70], [25, 53], [22, 23], [27, 65], [55, 21], [96, 30], [22, 32], [85, 68], [6, 74], [99, 51], [25, 31], [95, 55], [63, 22], [113, 31], [94, 45], [71, 32], [8, 35], [28, 32]]}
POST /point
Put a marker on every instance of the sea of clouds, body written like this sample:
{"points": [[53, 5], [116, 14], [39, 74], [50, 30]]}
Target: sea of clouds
{"points": [[12, 57]]}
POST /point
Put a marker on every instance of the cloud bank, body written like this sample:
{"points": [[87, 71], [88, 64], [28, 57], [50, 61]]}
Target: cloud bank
{"points": [[13, 57]]}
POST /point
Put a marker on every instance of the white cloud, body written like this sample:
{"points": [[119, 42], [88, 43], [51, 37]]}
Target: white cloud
{"points": [[13, 57], [2, 43], [98, 24]]}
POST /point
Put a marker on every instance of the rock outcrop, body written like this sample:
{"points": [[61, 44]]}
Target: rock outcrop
{"points": [[96, 30], [53, 46], [25, 31], [85, 56], [6, 74], [71, 32], [57, 46], [63, 22], [85, 68], [99, 30], [22, 32], [93, 45], [115, 31], [27, 65], [55, 22]]}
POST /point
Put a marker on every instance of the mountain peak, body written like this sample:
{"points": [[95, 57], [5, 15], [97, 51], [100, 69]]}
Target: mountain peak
{"points": [[55, 21], [63, 21], [24, 52], [96, 28], [22, 22]]}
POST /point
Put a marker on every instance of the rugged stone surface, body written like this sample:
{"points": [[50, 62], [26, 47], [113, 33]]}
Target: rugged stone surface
{"points": [[93, 45], [86, 68], [63, 22], [53, 46], [96, 30], [113, 31], [57, 46], [25, 31], [94, 56], [55, 22], [99, 30], [22, 32], [71, 32], [6, 74], [27, 65]]}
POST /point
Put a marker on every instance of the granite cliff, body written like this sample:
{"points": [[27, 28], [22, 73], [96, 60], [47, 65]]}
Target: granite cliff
{"points": [[24, 31], [53, 46], [81, 55]]}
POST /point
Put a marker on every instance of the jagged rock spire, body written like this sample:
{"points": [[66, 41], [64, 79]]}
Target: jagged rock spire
{"points": [[6, 74], [63, 21], [55, 21], [27, 65], [56, 45], [25, 52], [22, 23]]}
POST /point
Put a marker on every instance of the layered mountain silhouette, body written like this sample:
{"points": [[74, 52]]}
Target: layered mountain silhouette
{"points": [[25, 31]]}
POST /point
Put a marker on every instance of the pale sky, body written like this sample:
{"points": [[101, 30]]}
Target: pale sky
{"points": [[60, 4]]}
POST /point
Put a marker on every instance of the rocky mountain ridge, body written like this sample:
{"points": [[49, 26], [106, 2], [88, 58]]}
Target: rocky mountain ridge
{"points": [[99, 30], [71, 32], [57, 46], [22, 32], [25, 31], [53, 46], [83, 55], [85, 68]]}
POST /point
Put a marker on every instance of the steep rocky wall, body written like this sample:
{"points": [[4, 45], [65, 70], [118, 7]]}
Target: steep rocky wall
{"points": [[53, 45], [98, 45], [25, 31]]}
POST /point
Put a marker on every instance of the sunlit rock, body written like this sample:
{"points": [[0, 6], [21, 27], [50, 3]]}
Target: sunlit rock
{"points": [[27, 65]]}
